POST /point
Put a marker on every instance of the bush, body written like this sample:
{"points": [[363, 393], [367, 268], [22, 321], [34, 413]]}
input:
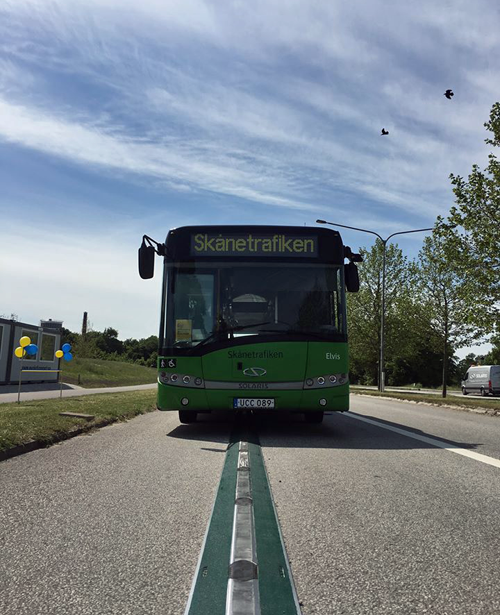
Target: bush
{"points": [[106, 345]]}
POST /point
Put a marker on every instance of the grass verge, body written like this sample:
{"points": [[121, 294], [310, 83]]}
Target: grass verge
{"points": [[94, 373], [39, 421], [492, 405]]}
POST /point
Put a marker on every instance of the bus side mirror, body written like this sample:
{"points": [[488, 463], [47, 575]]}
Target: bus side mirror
{"points": [[146, 261], [351, 278]]}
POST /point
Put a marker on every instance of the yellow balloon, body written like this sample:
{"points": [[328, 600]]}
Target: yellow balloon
{"points": [[19, 352], [25, 341], [59, 354]]}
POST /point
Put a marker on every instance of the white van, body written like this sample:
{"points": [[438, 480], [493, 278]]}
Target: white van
{"points": [[482, 379]]}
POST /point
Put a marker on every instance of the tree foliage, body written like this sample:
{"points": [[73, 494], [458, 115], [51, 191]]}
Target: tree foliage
{"points": [[472, 230], [428, 305], [106, 345], [364, 318], [450, 298], [493, 356]]}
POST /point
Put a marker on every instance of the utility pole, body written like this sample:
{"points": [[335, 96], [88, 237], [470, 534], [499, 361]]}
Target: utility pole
{"points": [[84, 324]]}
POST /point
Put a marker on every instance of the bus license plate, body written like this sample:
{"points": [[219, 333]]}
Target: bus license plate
{"points": [[255, 402]]}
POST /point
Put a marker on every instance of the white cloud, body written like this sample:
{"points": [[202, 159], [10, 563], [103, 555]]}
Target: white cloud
{"points": [[60, 276]]}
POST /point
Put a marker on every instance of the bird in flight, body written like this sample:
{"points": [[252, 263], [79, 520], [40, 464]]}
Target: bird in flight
{"points": [[384, 132], [448, 94]]}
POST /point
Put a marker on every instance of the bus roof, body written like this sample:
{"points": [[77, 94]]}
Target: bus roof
{"points": [[255, 243]]}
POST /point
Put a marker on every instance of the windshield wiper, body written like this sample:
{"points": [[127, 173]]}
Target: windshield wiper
{"points": [[256, 324], [227, 330]]}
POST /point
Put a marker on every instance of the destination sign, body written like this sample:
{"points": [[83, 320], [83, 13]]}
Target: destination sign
{"points": [[204, 244]]}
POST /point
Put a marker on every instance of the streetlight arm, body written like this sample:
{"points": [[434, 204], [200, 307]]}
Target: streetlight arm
{"points": [[364, 230], [354, 228], [417, 230]]}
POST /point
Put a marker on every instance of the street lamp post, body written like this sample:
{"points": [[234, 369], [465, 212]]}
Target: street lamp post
{"points": [[381, 378]]}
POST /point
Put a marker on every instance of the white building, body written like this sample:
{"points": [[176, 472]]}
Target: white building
{"points": [[47, 337]]}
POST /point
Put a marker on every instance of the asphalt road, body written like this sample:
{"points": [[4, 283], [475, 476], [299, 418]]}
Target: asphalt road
{"points": [[378, 522], [374, 520]]}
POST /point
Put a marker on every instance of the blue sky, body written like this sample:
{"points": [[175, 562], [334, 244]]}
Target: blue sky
{"points": [[119, 118]]}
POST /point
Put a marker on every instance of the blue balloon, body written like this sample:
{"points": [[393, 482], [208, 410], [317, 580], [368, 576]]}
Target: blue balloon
{"points": [[31, 349], [66, 347], [67, 355]]}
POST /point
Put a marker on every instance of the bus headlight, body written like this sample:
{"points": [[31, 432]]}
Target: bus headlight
{"points": [[174, 377], [322, 402], [184, 401], [186, 379], [320, 380], [309, 382], [333, 379], [198, 381]]}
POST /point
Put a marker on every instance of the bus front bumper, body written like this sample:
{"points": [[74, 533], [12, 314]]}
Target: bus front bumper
{"points": [[334, 399]]}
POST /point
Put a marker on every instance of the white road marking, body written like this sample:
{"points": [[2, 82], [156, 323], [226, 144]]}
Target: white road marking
{"points": [[491, 461]]}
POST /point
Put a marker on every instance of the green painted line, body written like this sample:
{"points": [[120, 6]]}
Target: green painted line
{"points": [[209, 590], [208, 594], [277, 593], [210, 587]]}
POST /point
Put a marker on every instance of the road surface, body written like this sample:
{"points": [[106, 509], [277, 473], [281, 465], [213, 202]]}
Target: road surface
{"points": [[392, 508]]}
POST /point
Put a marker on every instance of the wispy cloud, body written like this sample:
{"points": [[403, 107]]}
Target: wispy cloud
{"points": [[169, 161], [256, 124]]}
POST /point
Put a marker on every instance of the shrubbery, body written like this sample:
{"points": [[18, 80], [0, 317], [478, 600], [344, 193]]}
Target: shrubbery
{"points": [[106, 345]]}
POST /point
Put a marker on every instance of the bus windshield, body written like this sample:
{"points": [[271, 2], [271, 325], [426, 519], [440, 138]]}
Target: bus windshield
{"points": [[213, 302]]}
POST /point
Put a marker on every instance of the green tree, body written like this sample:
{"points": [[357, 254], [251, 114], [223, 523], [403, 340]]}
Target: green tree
{"points": [[415, 355], [108, 341], [449, 295], [143, 351], [106, 345], [85, 346], [364, 310], [471, 233], [68, 337], [493, 356], [463, 365]]}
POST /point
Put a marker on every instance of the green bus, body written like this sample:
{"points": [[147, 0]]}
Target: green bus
{"points": [[252, 318]]}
